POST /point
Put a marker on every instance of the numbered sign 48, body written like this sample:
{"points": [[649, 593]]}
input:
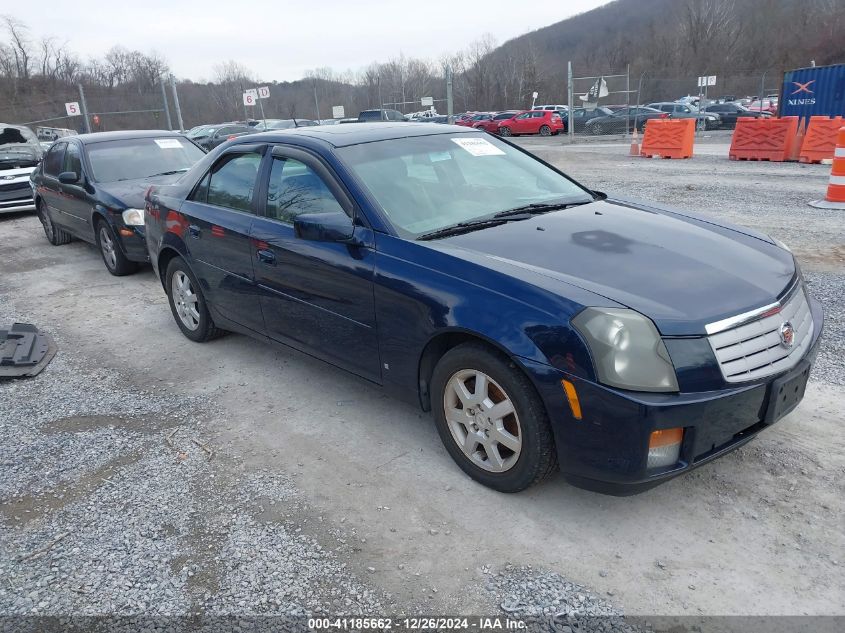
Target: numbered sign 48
{"points": [[72, 109]]}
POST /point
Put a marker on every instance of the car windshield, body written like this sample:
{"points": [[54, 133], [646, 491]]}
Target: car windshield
{"points": [[129, 159], [283, 124], [201, 132], [426, 183]]}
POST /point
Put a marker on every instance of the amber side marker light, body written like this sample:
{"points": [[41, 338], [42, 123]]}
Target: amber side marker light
{"points": [[126, 232], [572, 396], [664, 447]]}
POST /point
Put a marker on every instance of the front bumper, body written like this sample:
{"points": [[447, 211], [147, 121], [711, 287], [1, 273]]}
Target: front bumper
{"points": [[607, 449]]}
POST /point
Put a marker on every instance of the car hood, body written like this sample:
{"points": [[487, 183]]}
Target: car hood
{"points": [[681, 271], [130, 193]]}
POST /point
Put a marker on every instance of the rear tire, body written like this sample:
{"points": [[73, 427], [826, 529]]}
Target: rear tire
{"points": [[187, 303], [114, 259], [596, 129], [54, 234], [545, 130], [491, 420], [505, 131]]}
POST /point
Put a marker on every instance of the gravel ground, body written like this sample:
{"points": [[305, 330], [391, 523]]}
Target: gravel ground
{"points": [[114, 503]]}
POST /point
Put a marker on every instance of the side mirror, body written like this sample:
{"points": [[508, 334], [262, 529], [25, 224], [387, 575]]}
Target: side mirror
{"points": [[324, 227], [68, 178]]}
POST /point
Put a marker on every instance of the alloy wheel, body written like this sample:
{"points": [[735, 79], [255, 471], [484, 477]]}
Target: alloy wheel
{"points": [[545, 131], [482, 420], [108, 247], [505, 131], [185, 300]]}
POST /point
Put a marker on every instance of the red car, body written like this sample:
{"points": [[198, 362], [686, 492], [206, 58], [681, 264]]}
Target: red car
{"points": [[542, 122], [473, 117], [492, 124]]}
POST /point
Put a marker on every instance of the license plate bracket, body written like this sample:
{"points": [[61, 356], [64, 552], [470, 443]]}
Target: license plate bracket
{"points": [[786, 392]]}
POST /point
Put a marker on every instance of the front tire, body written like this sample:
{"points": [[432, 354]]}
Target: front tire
{"points": [[114, 259], [54, 234], [187, 303], [491, 420]]}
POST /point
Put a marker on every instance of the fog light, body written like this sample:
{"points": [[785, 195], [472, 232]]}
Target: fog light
{"points": [[664, 447]]}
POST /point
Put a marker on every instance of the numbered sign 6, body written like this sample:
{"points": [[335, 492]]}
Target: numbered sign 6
{"points": [[72, 109], [249, 99]]}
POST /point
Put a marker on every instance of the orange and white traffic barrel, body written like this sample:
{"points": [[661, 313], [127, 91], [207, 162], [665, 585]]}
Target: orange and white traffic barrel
{"points": [[835, 198]]}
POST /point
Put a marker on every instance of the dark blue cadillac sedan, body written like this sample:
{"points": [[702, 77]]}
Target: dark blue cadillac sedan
{"points": [[545, 325]]}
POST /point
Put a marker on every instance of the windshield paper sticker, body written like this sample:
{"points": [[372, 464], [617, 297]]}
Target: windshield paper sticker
{"points": [[168, 143], [478, 146], [436, 157]]}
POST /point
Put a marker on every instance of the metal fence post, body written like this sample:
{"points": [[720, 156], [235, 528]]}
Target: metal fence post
{"points": [[176, 103], [450, 106], [316, 102], [166, 105], [84, 107]]}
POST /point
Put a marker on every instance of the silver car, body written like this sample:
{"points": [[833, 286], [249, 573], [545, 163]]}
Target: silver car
{"points": [[20, 153]]}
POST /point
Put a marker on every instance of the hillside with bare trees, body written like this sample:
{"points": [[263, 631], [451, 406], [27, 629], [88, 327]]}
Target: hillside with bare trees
{"points": [[665, 43]]}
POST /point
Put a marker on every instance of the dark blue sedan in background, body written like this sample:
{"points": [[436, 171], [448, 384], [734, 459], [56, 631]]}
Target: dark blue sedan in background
{"points": [[544, 325]]}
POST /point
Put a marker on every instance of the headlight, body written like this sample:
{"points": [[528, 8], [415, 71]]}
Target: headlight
{"points": [[627, 350], [133, 217]]}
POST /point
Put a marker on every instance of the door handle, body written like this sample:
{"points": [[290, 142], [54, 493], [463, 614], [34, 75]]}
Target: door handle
{"points": [[266, 256], [194, 230]]}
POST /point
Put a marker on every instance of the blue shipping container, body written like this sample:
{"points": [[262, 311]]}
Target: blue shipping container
{"points": [[814, 91]]}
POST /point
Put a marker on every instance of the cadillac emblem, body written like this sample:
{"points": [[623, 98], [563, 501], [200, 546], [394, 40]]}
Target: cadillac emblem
{"points": [[787, 334]]}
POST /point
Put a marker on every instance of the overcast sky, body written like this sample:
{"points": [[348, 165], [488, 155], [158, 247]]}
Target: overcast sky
{"points": [[280, 39]]}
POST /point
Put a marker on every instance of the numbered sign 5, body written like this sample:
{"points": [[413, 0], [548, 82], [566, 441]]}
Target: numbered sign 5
{"points": [[72, 109]]}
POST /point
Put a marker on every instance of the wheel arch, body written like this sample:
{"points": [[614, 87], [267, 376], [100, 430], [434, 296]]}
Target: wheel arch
{"points": [[445, 340], [165, 256]]}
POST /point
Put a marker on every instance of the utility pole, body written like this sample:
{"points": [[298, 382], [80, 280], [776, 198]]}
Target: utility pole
{"points": [[570, 96], [176, 103], [84, 107], [166, 105], [316, 103], [450, 106]]}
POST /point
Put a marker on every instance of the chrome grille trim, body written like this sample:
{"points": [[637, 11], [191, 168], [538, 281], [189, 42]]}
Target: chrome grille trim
{"points": [[752, 349], [753, 315]]}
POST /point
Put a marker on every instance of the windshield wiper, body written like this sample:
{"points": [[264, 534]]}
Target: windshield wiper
{"points": [[471, 225], [170, 173], [536, 208]]}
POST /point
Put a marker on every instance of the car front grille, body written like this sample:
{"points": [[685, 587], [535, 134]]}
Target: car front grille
{"points": [[754, 347], [14, 186]]}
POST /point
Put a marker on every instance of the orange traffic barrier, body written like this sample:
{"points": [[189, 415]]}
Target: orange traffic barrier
{"points": [[668, 138], [835, 198], [820, 139], [763, 139]]}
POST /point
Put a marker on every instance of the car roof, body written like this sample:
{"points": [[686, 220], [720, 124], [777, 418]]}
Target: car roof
{"points": [[99, 137], [345, 135]]}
